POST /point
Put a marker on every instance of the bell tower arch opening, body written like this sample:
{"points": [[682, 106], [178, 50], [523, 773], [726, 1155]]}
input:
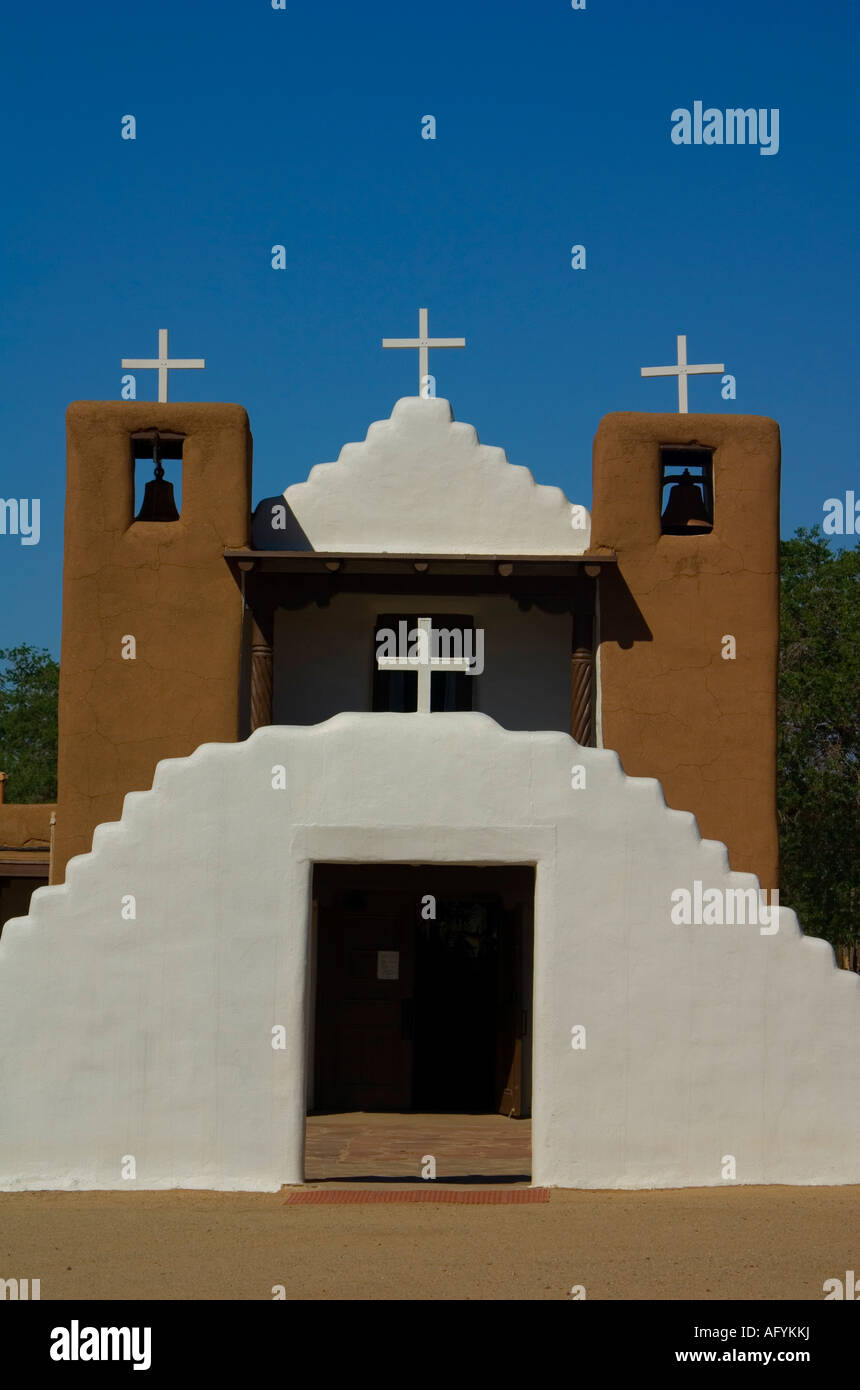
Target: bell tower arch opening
{"points": [[686, 490], [159, 497]]}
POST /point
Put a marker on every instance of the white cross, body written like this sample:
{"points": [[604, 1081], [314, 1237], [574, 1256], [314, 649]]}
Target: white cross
{"points": [[163, 363], [682, 370], [423, 343], [424, 663]]}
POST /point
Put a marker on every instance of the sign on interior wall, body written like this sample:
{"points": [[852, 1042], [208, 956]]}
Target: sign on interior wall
{"points": [[388, 965]]}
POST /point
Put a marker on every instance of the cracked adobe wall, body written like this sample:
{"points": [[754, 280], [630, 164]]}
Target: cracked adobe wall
{"points": [[152, 1036], [164, 583], [26, 823], [671, 706]]}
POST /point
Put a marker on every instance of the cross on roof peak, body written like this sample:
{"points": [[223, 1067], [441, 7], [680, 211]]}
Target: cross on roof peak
{"points": [[423, 343]]}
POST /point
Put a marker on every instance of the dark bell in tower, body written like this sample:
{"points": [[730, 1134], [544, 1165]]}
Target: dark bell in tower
{"points": [[159, 503], [685, 509]]}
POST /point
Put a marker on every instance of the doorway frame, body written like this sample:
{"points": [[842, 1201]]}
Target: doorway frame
{"points": [[471, 846], [376, 872]]}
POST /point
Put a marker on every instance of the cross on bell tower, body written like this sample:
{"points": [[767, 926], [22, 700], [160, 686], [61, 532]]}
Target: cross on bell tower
{"points": [[162, 363], [682, 369]]}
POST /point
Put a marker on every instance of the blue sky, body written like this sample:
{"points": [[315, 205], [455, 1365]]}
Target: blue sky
{"points": [[303, 127]]}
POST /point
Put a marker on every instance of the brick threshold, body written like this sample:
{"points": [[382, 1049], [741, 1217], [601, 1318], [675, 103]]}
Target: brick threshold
{"points": [[484, 1196]]}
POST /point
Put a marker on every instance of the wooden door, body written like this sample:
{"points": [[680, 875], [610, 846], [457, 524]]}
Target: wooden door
{"points": [[364, 1008]]}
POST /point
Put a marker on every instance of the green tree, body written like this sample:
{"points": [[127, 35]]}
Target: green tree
{"points": [[29, 682], [819, 736]]}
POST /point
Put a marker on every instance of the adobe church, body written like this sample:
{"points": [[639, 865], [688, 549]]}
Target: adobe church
{"points": [[418, 787]]}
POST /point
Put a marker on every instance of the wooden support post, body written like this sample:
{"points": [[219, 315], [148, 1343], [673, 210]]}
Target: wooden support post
{"points": [[582, 667], [261, 678]]}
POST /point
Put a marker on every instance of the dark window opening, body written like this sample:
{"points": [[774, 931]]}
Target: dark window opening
{"points": [[397, 691], [686, 491], [157, 464]]}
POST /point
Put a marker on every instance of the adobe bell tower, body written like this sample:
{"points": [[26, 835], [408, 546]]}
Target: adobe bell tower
{"points": [[689, 626], [152, 619]]}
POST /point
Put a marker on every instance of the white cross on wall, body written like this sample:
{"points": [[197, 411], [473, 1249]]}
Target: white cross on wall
{"points": [[162, 363], [424, 663], [423, 343], [682, 370]]}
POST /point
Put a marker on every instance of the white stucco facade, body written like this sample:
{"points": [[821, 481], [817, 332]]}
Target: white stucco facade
{"points": [[423, 482], [151, 1037]]}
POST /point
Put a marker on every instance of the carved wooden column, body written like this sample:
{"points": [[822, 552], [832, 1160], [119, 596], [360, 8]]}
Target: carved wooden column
{"points": [[582, 666], [261, 678]]}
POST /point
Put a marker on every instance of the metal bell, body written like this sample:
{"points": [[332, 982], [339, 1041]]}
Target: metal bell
{"points": [[685, 509], [159, 503]]}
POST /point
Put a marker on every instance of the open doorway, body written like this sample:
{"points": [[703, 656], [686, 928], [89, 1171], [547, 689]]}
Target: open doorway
{"points": [[423, 987]]}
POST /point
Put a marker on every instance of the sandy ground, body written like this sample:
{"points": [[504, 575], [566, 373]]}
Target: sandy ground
{"points": [[711, 1243]]}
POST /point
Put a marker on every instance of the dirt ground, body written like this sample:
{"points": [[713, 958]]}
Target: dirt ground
{"points": [[695, 1243]]}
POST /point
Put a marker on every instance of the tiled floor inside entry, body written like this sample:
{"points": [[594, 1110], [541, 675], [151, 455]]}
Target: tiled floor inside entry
{"points": [[364, 1147]]}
